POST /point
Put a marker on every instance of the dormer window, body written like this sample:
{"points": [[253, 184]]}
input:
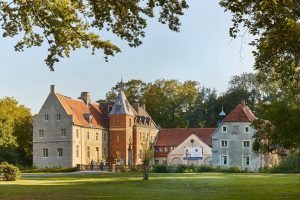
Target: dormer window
{"points": [[224, 129], [109, 108]]}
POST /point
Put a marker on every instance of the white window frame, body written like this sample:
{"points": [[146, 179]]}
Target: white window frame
{"points": [[225, 128], [41, 133], [243, 163], [224, 146], [63, 132], [226, 160], [58, 117], [243, 142], [60, 154], [77, 151], [45, 153], [88, 152], [77, 133], [245, 127]]}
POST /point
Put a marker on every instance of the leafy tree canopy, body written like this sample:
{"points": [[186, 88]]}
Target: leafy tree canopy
{"points": [[67, 25], [276, 27], [15, 132]]}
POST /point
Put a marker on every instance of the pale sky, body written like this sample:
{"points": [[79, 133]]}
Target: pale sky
{"points": [[201, 51]]}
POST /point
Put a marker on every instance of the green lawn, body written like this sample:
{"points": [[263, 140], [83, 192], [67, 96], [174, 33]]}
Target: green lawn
{"points": [[160, 186]]}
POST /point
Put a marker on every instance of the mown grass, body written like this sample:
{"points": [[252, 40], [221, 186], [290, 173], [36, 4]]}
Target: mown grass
{"points": [[160, 186]]}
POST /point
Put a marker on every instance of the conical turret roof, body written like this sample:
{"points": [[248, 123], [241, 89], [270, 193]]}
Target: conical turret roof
{"points": [[121, 105]]}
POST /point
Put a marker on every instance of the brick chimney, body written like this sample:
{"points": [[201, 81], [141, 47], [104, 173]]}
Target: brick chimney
{"points": [[52, 89], [243, 103], [86, 97]]}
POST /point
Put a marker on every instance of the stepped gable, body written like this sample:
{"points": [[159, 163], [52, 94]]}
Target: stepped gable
{"points": [[175, 136], [78, 108], [241, 113]]}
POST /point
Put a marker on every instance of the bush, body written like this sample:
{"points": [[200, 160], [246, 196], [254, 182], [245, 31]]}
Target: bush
{"points": [[135, 168], [233, 169], [204, 168], [160, 169], [219, 169], [9, 172], [49, 170]]}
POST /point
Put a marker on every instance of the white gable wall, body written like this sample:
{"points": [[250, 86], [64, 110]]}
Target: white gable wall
{"points": [[176, 155]]}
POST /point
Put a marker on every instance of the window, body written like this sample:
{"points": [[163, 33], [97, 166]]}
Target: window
{"points": [[41, 133], [224, 143], [77, 151], [156, 162], [45, 153], [97, 135], [224, 129], [246, 160], [97, 152], [77, 133], [46, 117], [224, 160], [247, 129], [118, 155], [109, 108], [129, 122], [105, 135], [63, 133], [246, 143], [88, 135], [59, 152], [104, 152], [58, 117], [117, 138], [88, 152]]}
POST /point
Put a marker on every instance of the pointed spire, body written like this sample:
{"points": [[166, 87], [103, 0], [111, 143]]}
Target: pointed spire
{"points": [[121, 105], [222, 113], [121, 84]]}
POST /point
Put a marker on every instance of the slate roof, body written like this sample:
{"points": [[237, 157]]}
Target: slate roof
{"points": [[175, 136], [241, 113], [78, 108], [121, 105]]}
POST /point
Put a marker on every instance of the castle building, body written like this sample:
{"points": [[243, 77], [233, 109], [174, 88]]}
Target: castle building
{"points": [[69, 132], [232, 142]]}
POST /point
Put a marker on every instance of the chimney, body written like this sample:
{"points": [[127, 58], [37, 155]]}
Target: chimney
{"points": [[52, 89], [243, 103], [86, 97]]}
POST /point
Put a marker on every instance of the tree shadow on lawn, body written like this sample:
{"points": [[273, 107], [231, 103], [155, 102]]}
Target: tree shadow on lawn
{"points": [[160, 186]]}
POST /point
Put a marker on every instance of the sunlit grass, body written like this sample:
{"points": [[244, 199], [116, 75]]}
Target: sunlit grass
{"points": [[160, 186]]}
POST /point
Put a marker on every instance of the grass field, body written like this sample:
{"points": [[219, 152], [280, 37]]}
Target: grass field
{"points": [[160, 186]]}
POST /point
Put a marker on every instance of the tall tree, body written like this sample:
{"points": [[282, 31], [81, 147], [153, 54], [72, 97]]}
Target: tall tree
{"points": [[15, 132], [67, 25], [133, 89], [169, 101], [275, 26]]}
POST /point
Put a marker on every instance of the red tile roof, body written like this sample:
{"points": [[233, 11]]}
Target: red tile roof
{"points": [[77, 108], [161, 154], [175, 136], [241, 113]]}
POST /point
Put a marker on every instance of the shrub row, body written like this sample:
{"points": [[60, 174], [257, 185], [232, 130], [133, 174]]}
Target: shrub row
{"points": [[49, 170], [194, 169], [9, 172]]}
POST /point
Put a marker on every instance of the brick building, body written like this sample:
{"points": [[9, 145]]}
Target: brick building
{"points": [[67, 131]]}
